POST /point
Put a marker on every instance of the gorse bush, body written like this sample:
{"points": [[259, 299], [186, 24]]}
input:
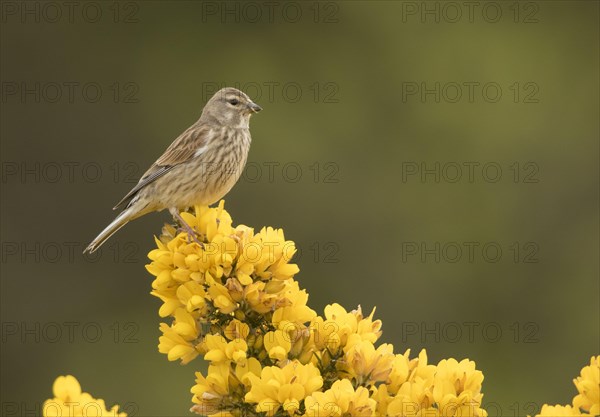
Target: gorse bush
{"points": [[233, 299]]}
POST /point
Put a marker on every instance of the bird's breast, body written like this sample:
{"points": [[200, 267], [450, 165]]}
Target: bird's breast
{"points": [[216, 170]]}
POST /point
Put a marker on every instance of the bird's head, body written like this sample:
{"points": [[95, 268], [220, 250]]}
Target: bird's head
{"points": [[230, 107]]}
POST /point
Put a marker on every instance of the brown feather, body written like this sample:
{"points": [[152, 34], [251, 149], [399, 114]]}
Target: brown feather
{"points": [[181, 150]]}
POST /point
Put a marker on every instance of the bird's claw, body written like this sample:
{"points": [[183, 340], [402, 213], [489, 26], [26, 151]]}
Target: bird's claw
{"points": [[191, 236], [184, 227]]}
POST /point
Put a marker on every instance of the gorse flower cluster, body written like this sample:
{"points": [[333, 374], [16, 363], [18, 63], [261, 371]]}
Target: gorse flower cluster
{"points": [[226, 293], [230, 296], [233, 299], [70, 401], [587, 401]]}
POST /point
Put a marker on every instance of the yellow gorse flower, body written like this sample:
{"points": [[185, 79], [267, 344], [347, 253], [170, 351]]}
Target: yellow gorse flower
{"points": [[587, 401], [559, 411], [283, 387], [367, 364], [416, 388], [220, 350], [340, 327], [69, 400], [341, 400], [588, 385]]}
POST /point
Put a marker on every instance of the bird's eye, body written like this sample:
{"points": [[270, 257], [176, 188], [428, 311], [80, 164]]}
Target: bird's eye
{"points": [[234, 102]]}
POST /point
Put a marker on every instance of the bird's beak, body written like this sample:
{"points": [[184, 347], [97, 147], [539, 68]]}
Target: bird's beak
{"points": [[255, 108]]}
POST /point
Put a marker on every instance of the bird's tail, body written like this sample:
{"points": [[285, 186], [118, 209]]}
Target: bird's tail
{"points": [[120, 221]]}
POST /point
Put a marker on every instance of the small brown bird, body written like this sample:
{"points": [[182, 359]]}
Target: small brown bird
{"points": [[199, 167]]}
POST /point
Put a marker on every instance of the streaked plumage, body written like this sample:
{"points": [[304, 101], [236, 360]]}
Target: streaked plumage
{"points": [[198, 168]]}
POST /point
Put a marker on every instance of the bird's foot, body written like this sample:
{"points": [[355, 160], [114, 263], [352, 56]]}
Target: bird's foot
{"points": [[184, 227], [191, 235]]}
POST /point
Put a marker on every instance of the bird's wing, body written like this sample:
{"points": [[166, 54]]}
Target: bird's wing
{"points": [[188, 145]]}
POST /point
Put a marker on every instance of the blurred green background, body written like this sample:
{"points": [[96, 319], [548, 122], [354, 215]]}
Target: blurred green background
{"points": [[349, 135]]}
